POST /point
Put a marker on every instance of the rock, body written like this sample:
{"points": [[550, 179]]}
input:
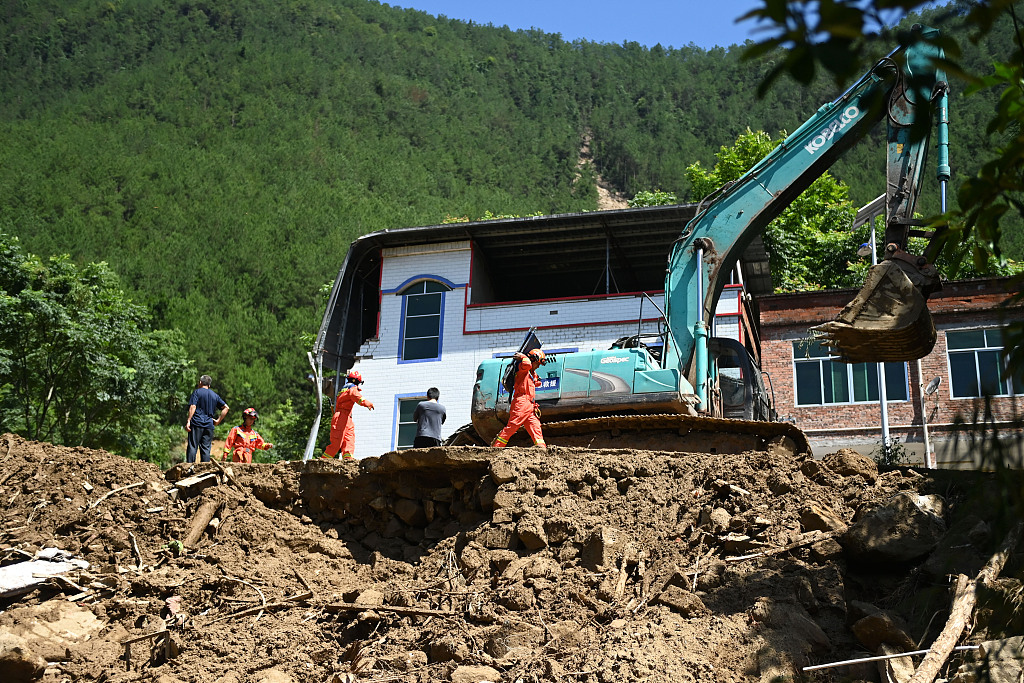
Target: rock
{"points": [[502, 471], [880, 627], [410, 661], [542, 568], [997, 661], [904, 529], [957, 552], [897, 669], [514, 635], [794, 621], [826, 550], [475, 674], [531, 532], [604, 547], [273, 676], [18, 663], [370, 598], [779, 484], [847, 462], [682, 601], [502, 536], [410, 511], [719, 520], [819, 473], [448, 648], [559, 530], [518, 598], [507, 500], [817, 517]]}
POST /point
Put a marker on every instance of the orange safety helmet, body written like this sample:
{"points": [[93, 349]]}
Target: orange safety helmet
{"points": [[537, 355], [251, 411], [354, 377]]}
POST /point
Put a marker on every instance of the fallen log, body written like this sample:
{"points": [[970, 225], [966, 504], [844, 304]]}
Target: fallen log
{"points": [[810, 537], [108, 494], [404, 611], [287, 602], [200, 520], [964, 600]]}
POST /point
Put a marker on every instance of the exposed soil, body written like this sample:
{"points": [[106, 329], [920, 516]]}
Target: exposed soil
{"points": [[472, 564]]}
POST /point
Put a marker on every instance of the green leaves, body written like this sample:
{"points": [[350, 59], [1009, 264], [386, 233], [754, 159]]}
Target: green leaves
{"points": [[80, 365], [809, 245]]}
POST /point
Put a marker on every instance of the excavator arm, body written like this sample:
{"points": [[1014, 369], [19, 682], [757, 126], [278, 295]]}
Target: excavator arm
{"points": [[906, 89]]}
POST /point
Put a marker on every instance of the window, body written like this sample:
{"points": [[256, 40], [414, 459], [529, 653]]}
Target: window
{"points": [[422, 315], [406, 432], [822, 379], [977, 367]]}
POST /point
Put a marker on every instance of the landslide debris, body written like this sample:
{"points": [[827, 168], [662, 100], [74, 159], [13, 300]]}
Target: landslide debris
{"points": [[471, 564]]}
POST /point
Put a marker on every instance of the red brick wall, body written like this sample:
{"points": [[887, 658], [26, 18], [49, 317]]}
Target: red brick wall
{"points": [[786, 318]]}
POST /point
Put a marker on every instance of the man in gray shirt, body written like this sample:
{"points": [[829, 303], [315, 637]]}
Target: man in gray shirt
{"points": [[429, 416]]}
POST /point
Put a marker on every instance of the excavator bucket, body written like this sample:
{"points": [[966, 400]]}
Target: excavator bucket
{"points": [[887, 322]]}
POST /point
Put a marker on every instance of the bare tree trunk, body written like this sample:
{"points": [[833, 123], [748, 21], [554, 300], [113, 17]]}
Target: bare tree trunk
{"points": [[964, 599]]}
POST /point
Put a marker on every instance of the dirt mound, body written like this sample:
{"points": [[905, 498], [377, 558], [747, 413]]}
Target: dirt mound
{"points": [[471, 564]]}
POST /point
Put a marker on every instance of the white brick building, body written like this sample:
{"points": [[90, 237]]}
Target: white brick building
{"points": [[422, 307]]}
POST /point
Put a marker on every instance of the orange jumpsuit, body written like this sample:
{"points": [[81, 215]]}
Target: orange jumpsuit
{"points": [[343, 429], [241, 444], [523, 407]]}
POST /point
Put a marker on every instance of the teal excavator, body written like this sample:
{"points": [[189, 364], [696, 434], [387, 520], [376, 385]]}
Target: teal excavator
{"points": [[701, 393]]}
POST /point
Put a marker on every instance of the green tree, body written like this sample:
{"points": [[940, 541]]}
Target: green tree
{"points": [[653, 198], [809, 245], [79, 364]]}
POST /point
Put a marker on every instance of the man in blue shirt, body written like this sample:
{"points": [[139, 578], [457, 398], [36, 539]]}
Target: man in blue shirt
{"points": [[202, 405]]}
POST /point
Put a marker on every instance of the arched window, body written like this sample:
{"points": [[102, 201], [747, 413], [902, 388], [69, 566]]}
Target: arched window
{"points": [[422, 320]]}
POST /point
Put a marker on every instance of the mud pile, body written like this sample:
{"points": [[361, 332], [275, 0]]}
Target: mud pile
{"points": [[467, 564]]}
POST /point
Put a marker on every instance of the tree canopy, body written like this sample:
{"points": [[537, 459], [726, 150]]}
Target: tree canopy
{"points": [[79, 362]]}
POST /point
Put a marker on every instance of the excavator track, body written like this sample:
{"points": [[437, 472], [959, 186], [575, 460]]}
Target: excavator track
{"points": [[687, 433], [671, 432]]}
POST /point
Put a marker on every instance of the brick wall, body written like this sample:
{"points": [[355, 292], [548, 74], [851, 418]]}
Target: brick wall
{"points": [[960, 305]]}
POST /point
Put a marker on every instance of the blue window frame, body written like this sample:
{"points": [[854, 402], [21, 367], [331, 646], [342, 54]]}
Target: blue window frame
{"points": [[422, 321], [405, 425], [977, 366], [821, 379]]}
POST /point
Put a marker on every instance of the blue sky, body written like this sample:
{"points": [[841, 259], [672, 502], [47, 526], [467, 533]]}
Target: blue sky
{"points": [[672, 23]]}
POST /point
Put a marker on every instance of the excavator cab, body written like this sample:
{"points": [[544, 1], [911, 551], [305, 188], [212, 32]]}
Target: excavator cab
{"points": [[740, 393]]}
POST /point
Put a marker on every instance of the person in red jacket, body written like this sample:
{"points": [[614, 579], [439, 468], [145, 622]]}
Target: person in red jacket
{"points": [[343, 429], [243, 439], [524, 410]]}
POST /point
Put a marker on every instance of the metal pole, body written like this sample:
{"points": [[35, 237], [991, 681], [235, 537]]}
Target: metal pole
{"points": [[880, 368], [607, 265], [929, 459]]}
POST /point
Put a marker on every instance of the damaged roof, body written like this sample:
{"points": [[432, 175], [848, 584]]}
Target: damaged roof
{"points": [[536, 257]]}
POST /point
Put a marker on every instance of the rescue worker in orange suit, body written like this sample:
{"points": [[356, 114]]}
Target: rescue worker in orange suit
{"points": [[343, 430], [243, 439], [524, 410]]}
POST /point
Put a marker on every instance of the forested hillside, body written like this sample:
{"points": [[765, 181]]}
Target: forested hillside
{"points": [[221, 155]]}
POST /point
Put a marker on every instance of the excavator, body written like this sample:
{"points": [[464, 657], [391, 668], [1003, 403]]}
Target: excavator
{"points": [[702, 393]]}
